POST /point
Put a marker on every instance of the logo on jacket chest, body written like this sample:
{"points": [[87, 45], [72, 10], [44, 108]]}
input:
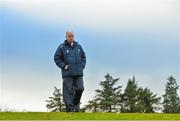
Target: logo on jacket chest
{"points": [[68, 51]]}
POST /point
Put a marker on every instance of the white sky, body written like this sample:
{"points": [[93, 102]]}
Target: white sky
{"points": [[96, 14]]}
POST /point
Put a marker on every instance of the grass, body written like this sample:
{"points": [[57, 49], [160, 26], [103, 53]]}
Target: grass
{"points": [[85, 116]]}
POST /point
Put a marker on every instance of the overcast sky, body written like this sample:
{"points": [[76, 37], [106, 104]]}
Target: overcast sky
{"points": [[125, 38]]}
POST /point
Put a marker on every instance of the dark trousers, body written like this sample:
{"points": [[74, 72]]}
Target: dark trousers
{"points": [[73, 88]]}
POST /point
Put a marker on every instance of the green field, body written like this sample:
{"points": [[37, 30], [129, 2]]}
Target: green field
{"points": [[85, 116]]}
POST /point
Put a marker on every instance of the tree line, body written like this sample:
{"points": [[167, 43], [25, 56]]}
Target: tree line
{"points": [[134, 98]]}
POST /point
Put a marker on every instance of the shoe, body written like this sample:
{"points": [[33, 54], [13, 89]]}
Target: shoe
{"points": [[70, 110], [77, 108]]}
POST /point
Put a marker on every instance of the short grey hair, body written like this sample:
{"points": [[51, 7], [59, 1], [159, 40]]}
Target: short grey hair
{"points": [[69, 32]]}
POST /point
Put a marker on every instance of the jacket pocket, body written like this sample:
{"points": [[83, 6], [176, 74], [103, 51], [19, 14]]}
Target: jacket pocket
{"points": [[68, 71]]}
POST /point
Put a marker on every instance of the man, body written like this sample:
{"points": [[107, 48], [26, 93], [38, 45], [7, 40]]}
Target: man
{"points": [[71, 58]]}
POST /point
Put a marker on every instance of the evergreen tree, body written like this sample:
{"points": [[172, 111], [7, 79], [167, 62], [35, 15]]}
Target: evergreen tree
{"points": [[92, 106], [109, 94], [130, 97], [56, 103], [171, 102], [147, 101]]}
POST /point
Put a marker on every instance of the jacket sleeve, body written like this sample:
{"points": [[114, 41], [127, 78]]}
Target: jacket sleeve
{"points": [[83, 58], [58, 58]]}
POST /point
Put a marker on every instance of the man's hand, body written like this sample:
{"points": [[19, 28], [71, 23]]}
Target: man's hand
{"points": [[66, 67]]}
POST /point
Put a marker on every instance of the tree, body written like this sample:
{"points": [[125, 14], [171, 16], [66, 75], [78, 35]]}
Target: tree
{"points": [[130, 97], [109, 94], [56, 103], [137, 99], [92, 106], [171, 102], [147, 101]]}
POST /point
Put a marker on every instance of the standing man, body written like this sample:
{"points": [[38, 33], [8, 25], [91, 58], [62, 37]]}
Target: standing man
{"points": [[71, 58]]}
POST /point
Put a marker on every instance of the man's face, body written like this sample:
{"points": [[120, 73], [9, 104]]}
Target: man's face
{"points": [[70, 37]]}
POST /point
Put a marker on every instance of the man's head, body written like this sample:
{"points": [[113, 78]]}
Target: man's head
{"points": [[70, 36]]}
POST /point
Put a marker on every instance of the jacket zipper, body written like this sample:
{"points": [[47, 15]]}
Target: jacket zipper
{"points": [[75, 59]]}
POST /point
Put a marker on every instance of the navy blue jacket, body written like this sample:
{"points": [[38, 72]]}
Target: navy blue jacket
{"points": [[73, 56]]}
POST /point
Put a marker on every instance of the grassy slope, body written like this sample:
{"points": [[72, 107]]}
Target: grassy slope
{"points": [[85, 116]]}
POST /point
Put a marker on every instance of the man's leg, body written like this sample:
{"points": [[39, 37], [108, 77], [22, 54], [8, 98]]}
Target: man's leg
{"points": [[68, 93], [77, 107], [78, 88]]}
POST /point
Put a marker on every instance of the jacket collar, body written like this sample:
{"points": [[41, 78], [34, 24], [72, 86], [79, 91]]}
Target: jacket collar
{"points": [[74, 43]]}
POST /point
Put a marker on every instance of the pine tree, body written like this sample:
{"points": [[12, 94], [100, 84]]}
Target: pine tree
{"points": [[92, 106], [56, 103], [171, 102], [147, 101], [130, 97], [109, 94]]}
